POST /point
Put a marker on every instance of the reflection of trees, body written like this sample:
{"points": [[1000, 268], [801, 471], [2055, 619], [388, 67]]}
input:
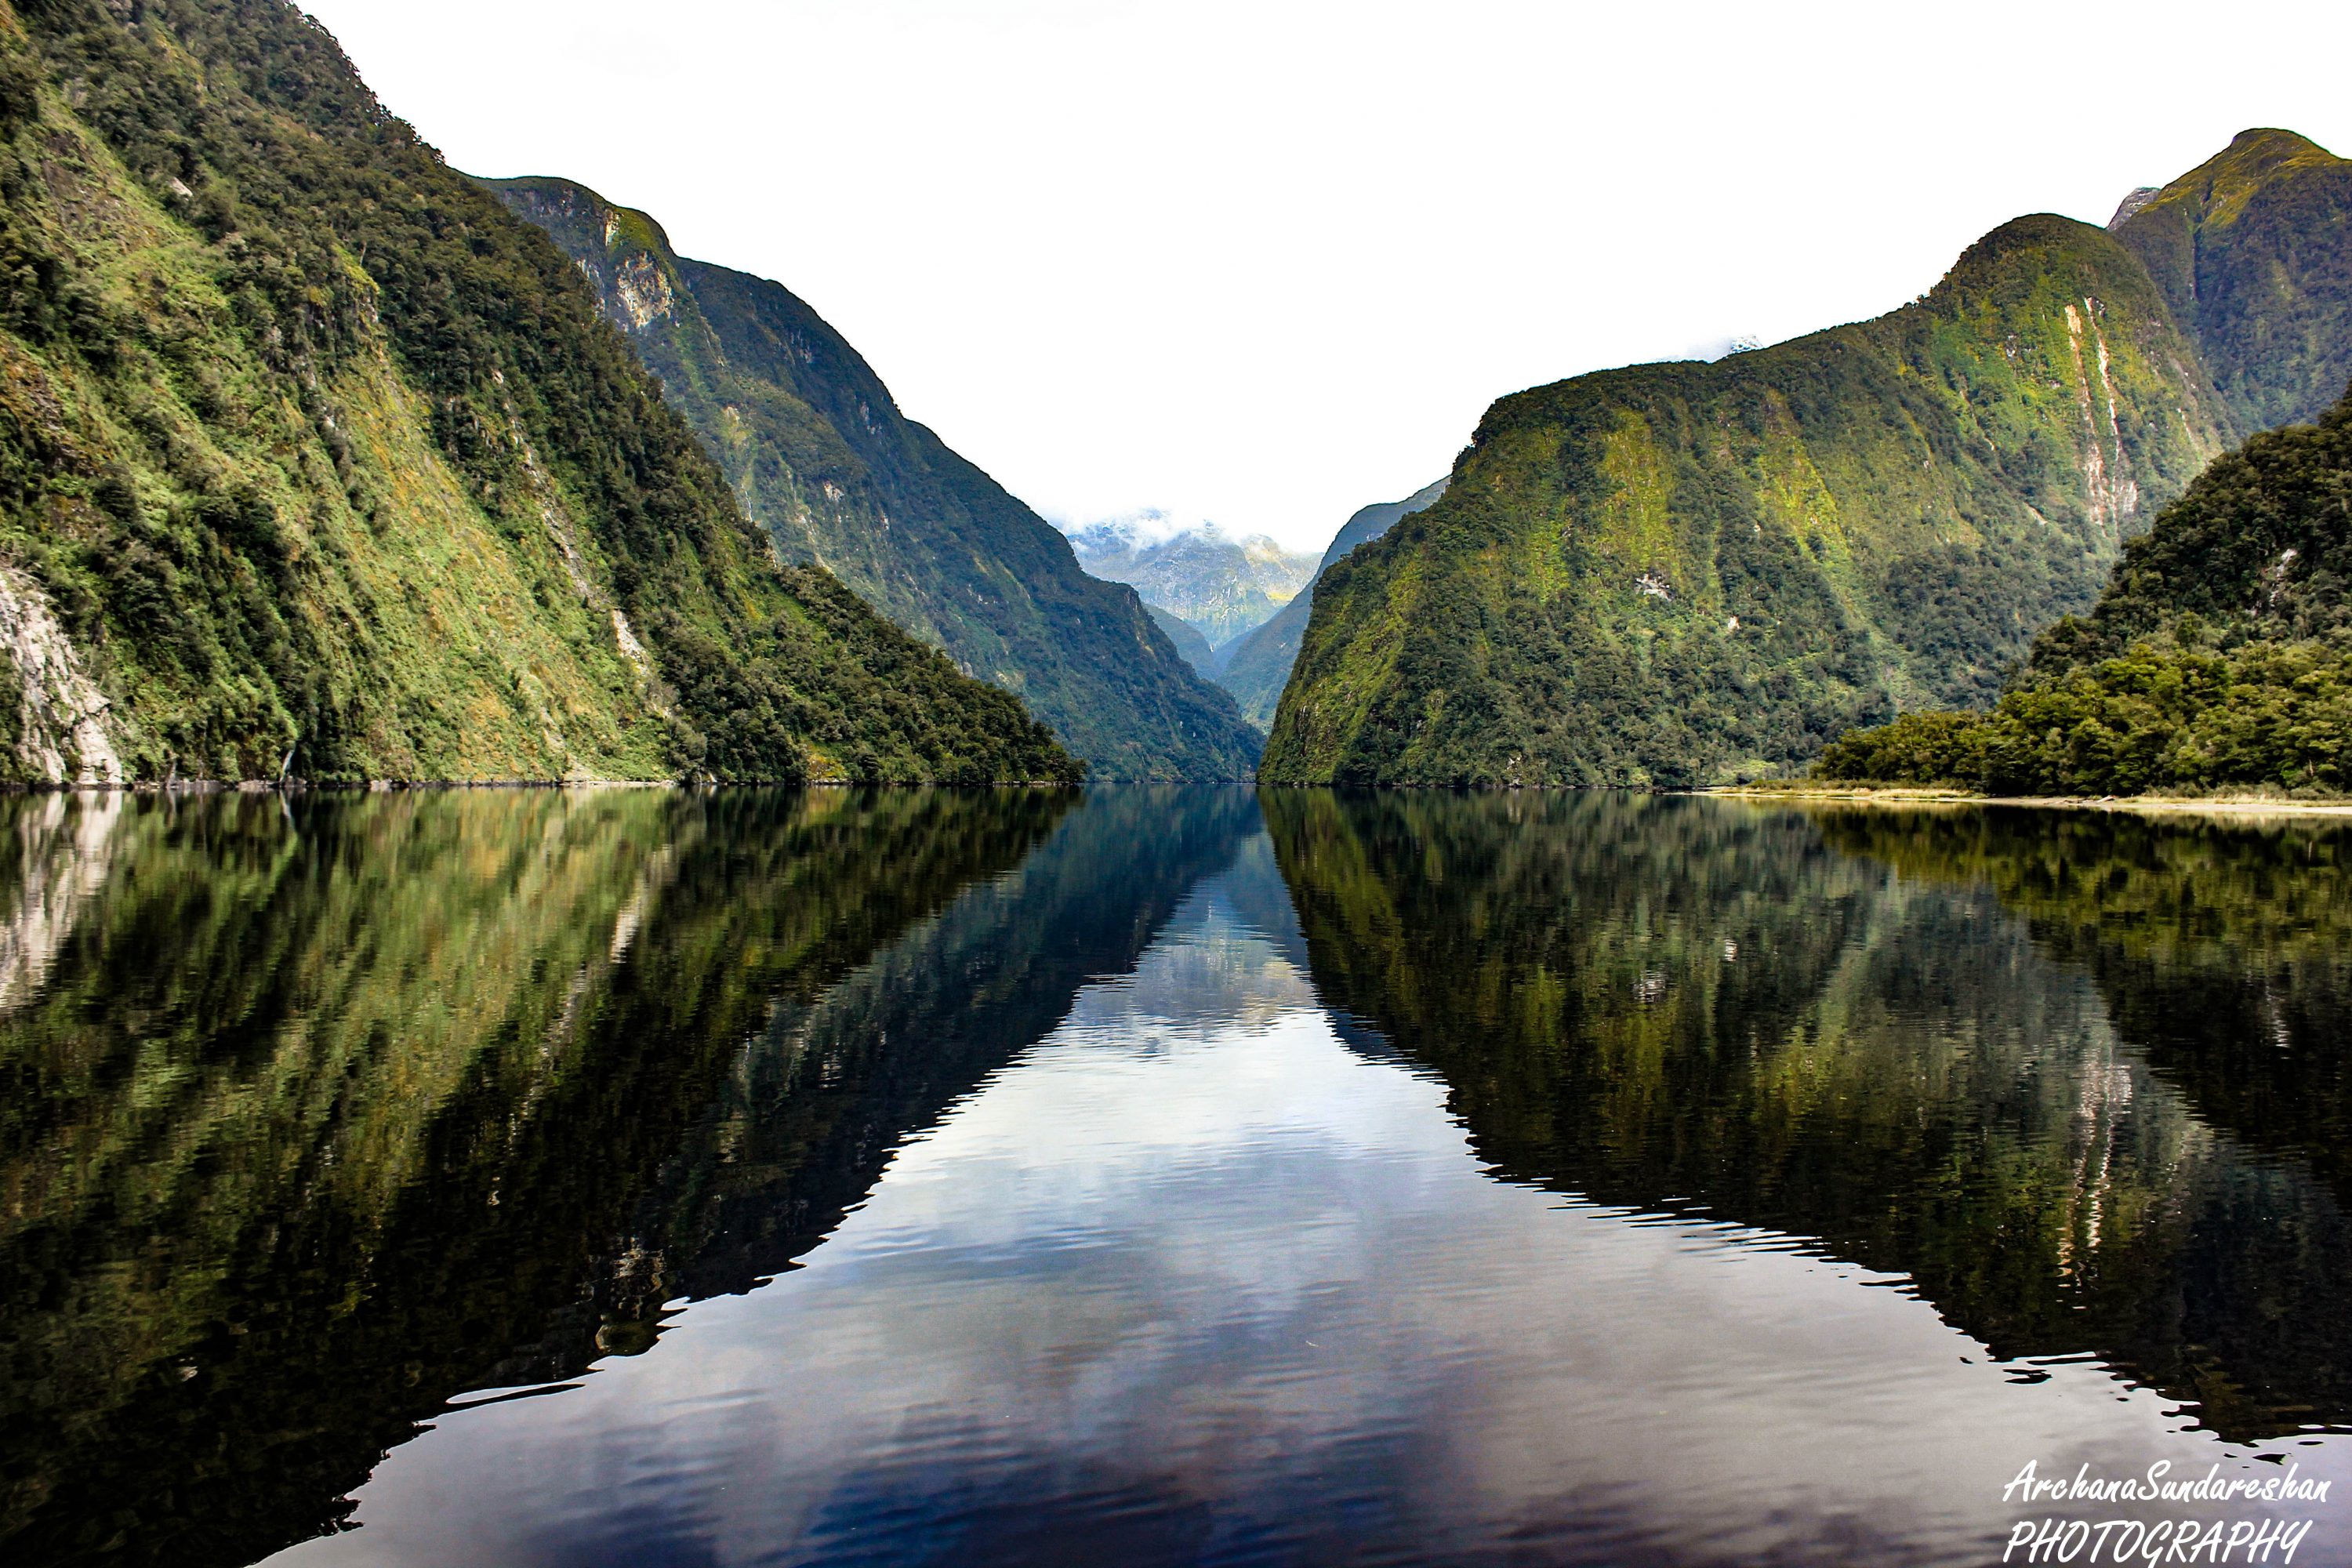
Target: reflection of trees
{"points": [[811, 1110], [2224, 950], [1675, 1004], [321, 1117]]}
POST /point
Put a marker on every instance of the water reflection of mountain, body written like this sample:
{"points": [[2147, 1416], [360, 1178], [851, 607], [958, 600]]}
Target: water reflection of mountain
{"points": [[2222, 949], [1687, 1004], [321, 1116]]}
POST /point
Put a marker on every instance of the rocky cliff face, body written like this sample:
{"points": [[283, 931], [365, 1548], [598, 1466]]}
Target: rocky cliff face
{"points": [[820, 457], [1685, 572]]}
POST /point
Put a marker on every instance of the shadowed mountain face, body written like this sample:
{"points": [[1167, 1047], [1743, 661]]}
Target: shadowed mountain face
{"points": [[2017, 1064], [1258, 665], [818, 451], [1187, 638], [293, 1160]]}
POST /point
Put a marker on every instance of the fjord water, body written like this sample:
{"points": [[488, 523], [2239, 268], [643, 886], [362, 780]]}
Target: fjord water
{"points": [[1155, 1176]]}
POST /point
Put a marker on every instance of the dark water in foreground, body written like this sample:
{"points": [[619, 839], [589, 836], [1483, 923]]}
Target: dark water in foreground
{"points": [[1157, 1176]]}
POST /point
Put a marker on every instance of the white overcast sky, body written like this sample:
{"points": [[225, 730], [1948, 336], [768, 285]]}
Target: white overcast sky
{"points": [[1268, 262]]}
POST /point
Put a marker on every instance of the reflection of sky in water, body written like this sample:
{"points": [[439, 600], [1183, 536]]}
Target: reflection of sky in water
{"points": [[1190, 1280]]}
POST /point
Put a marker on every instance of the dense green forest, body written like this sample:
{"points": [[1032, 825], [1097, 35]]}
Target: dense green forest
{"points": [[821, 457], [315, 461], [2220, 656], [1693, 573]]}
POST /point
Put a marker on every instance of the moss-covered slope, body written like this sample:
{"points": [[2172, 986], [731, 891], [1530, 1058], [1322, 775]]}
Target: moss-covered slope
{"points": [[315, 460], [2253, 252], [820, 456], [1692, 572], [2220, 656]]}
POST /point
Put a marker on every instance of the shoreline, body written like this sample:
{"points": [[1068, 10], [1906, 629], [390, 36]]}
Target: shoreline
{"points": [[2238, 805], [391, 786]]}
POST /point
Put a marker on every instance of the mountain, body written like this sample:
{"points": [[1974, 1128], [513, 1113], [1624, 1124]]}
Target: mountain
{"points": [[820, 457], [315, 462], [2220, 656], [1258, 665], [2252, 251], [1683, 573], [1187, 638], [1222, 586]]}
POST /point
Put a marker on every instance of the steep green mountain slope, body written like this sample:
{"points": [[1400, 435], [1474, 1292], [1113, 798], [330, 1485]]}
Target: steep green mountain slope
{"points": [[313, 460], [2220, 655], [1221, 584], [1186, 638], [820, 457], [1683, 573], [2253, 253], [1257, 665]]}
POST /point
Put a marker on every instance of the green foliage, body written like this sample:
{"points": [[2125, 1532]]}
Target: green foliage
{"points": [[1687, 573], [2220, 655], [310, 448], [821, 457], [2158, 717], [2260, 547]]}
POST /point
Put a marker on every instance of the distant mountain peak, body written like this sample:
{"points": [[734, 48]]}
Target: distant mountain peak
{"points": [[1256, 666], [1221, 584], [2139, 197]]}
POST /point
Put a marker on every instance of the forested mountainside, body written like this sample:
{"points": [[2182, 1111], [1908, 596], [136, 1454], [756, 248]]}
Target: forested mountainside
{"points": [[1256, 666], [2220, 655], [1688, 573], [1220, 584], [2253, 250], [820, 456], [315, 461], [1187, 638]]}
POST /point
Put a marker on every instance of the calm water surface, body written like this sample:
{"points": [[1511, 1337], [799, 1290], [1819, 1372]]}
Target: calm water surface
{"points": [[1157, 1176]]}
